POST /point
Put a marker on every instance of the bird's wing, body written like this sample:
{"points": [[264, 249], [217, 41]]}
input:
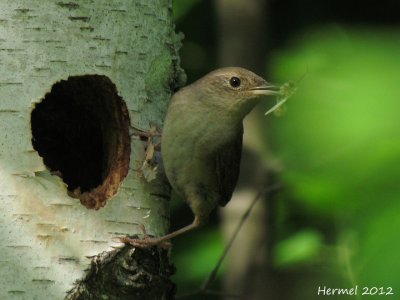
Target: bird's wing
{"points": [[227, 167]]}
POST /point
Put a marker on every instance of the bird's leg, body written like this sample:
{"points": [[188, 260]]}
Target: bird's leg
{"points": [[162, 241]]}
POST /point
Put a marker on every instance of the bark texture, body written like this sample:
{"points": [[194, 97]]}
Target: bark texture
{"points": [[127, 274], [49, 238]]}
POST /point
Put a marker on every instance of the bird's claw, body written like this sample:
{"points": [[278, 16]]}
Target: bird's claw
{"points": [[149, 167], [147, 135], [146, 241]]}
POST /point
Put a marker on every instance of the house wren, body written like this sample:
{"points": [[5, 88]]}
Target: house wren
{"points": [[201, 142]]}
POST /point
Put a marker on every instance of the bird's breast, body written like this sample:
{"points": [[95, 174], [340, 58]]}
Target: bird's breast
{"points": [[190, 139]]}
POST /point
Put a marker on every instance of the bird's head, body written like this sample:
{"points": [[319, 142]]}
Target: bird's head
{"points": [[234, 88]]}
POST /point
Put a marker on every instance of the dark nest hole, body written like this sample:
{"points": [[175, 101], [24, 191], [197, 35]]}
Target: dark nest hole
{"points": [[81, 130]]}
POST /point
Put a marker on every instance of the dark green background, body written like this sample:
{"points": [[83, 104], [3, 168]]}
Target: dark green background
{"points": [[338, 219]]}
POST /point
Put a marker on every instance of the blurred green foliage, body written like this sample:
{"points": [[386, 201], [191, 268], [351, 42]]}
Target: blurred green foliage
{"points": [[202, 251], [299, 247], [337, 223], [339, 143], [182, 7]]}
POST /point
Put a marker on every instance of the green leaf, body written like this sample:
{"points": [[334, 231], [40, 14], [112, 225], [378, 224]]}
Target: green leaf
{"points": [[301, 247]]}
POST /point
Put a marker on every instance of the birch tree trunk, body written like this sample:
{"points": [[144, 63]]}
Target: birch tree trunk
{"points": [[76, 76]]}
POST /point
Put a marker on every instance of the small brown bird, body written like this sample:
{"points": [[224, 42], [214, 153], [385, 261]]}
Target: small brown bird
{"points": [[201, 142]]}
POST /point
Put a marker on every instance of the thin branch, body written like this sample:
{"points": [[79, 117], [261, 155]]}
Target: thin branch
{"points": [[213, 275]]}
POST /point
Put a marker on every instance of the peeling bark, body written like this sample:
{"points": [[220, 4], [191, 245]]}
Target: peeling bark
{"points": [[127, 274], [48, 237]]}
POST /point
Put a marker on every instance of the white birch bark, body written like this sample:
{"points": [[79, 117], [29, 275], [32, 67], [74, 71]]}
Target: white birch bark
{"points": [[46, 236]]}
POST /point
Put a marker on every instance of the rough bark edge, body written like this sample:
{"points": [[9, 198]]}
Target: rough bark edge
{"points": [[127, 274], [134, 273], [119, 164]]}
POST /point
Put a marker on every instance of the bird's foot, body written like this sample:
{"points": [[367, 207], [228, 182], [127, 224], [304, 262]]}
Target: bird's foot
{"points": [[149, 167], [146, 241], [149, 136]]}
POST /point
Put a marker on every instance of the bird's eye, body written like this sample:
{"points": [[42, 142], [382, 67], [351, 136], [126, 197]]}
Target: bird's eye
{"points": [[234, 82]]}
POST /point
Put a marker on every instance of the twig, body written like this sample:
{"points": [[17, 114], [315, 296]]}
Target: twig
{"points": [[213, 275]]}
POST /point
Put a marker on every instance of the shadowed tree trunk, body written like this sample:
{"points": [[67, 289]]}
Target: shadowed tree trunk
{"points": [[77, 78], [242, 41]]}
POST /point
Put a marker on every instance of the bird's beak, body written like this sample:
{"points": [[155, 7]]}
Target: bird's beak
{"points": [[265, 89]]}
